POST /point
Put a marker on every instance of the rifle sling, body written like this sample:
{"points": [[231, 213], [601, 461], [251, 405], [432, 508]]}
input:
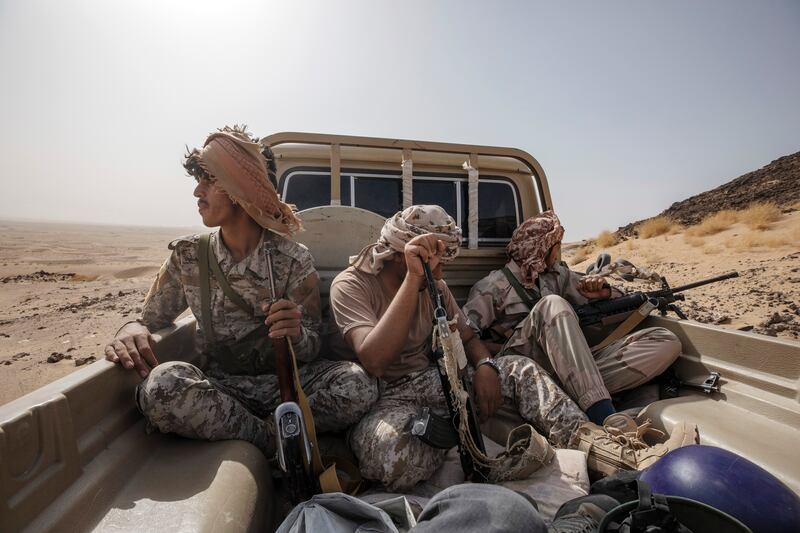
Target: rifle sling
{"points": [[205, 288], [626, 326], [623, 329], [328, 477], [529, 299]]}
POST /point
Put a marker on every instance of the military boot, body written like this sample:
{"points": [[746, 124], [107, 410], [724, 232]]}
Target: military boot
{"points": [[620, 445]]}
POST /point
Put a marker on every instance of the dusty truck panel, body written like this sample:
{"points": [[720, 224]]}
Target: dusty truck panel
{"points": [[74, 455], [757, 412]]}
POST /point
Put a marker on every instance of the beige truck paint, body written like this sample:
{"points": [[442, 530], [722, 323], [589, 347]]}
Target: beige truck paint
{"points": [[74, 454]]}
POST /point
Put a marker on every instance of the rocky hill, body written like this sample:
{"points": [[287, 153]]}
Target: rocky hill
{"points": [[777, 182]]}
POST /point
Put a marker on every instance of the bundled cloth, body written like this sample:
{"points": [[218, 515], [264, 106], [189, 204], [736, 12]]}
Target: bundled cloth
{"points": [[404, 226], [625, 270], [526, 450]]}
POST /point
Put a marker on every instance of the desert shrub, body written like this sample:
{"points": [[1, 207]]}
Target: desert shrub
{"points": [[606, 239], [760, 216], [580, 254], [715, 223], [655, 227], [751, 240]]}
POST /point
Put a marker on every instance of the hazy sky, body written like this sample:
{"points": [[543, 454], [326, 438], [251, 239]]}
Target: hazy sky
{"points": [[628, 106]]}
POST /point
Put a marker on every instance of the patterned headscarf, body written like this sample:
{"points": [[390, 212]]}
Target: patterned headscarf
{"points": [[530, 243], [404, 226], [236, 164]]}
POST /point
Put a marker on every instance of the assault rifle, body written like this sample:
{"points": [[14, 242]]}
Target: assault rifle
{"points": [[293, 444], [611, 311], [472, 472]]}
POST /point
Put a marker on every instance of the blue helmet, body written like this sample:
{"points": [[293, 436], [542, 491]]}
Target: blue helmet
{"points": [[728, 482]]}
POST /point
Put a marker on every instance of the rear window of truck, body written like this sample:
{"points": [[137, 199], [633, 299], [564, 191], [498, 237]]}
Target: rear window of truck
{"points": [[499, 208]]}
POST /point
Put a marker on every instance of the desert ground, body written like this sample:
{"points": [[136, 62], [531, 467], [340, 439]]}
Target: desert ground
{"points": [[764, 299], [66, 289]]}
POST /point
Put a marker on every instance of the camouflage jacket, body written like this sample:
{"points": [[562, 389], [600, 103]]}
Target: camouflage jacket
{"points": [[177, 287], [495, 309]]}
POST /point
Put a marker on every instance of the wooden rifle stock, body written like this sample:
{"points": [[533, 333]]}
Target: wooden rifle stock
{"points": [[284, 369], [293, 446]]}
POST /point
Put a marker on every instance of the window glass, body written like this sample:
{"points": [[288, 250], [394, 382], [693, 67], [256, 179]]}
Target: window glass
{"points": [[497, 212], [436, 192], [307, 190], [379, 195]]}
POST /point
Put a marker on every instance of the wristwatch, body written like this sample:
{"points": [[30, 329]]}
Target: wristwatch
{"points": [[488, 361]]}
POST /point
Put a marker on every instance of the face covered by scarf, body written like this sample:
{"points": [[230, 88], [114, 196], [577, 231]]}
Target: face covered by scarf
{"points": [[236, 164], [404, 226], [530, 243]]}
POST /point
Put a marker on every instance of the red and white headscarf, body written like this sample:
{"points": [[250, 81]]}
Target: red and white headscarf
{"points": [[530, 243]]}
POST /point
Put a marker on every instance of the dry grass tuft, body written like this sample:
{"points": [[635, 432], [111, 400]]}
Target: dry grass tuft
{"points": [[711, 250], [606, 239], [693, 241], [655, 227], [715, 223], [630, 245], [675, 229], [580, 254], [752, 240], [760, 216]]}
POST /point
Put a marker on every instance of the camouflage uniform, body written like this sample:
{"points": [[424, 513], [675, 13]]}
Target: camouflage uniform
{"points": [[232, 397], [550, 335], [382, 441], [388, 452]]}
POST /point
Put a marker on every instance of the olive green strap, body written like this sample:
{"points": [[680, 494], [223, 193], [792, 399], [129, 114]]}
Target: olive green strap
{"points": [[529, 299], [205, 287], [226, 288], [207, 259]]}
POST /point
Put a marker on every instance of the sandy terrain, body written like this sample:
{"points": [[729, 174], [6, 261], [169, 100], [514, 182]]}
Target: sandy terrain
{"points": [[768, 263], [64, 290]]}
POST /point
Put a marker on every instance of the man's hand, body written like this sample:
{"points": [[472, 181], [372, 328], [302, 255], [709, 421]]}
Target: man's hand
{"points": [[283, 319], [133, 348], [592, 287], [486, 384], [423, 248]]}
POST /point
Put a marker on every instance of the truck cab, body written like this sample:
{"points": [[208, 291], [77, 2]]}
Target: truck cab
{"points": [[74, 454]]}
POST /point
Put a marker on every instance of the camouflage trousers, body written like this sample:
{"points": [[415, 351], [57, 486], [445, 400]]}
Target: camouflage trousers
{"points": [[387, 451], [178, 397], [552, 337]]}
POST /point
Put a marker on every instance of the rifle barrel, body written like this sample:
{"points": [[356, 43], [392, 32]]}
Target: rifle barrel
{"points": [[702, 282]]}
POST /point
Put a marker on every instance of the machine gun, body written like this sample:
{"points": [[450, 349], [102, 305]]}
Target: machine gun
{"points": [[611, 311], [293, 442], [472, 471]]}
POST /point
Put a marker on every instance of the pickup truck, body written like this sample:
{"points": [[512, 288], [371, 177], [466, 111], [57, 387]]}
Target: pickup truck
{"points": [[74, 454]]}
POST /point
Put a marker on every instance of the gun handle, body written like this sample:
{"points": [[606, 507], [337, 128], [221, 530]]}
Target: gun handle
{"points": [[284, 369]]}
